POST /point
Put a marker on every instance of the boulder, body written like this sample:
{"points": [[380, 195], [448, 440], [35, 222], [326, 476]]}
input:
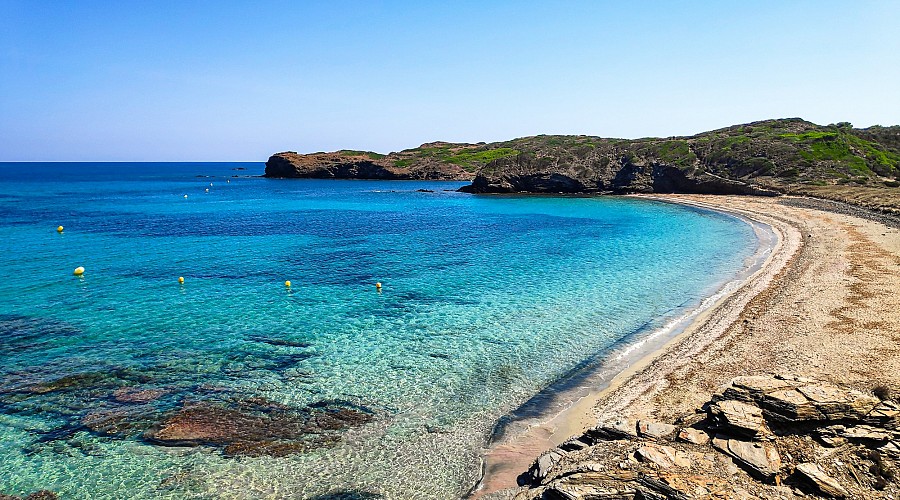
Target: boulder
{"points": [[662, 456], [789, 405], [693, 436], [613, 430], [736, 417], [856, 432], [655, 430], [761, 459], [825, 483], [891, 449], [792, 399], [839, 404], [542, 467]]}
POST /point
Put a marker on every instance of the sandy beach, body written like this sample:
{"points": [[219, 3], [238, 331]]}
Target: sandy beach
{"points": [[825, 305]]}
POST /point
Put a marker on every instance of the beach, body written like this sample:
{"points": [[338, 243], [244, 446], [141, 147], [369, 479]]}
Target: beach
{"points": [[825, 305]]}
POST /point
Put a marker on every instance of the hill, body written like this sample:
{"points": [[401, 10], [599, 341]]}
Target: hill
{"points": [[766, 157]]}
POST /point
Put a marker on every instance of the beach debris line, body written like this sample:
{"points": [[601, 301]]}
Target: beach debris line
{"points": [[758, 437]]}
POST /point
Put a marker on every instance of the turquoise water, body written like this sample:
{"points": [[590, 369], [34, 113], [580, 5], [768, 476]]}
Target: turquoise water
{"points": [[486, 300]]}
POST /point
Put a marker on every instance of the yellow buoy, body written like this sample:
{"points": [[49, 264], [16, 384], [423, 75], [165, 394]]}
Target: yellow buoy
{"points": [[181, 279], [378, 285], [78, 271], [287, 283], [59, 229]]}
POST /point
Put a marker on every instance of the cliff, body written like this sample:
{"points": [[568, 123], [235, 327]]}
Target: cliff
{"points": [[433, 161], [765, 157]]}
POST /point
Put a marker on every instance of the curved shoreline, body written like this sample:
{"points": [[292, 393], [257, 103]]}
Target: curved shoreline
{"points": [[571, 412]]}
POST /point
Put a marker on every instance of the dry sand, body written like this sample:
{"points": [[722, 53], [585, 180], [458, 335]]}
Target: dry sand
{"points": [[826, 305]]}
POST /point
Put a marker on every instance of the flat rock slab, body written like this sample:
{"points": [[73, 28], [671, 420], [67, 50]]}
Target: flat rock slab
{"points": [[693, 436], [836, 403], [655, 430], [825, 483], [760, 458], [740, 418], [663, 456]]}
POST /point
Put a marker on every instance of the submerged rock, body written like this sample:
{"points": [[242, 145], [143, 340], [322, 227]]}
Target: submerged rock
{"points": [[138, 395], [37, 495], [119, 422], [256, 427]]}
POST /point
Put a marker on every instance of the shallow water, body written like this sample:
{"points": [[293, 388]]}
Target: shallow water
{"points": [[486, 300]]}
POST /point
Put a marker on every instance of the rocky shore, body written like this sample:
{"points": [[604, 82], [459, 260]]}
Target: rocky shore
{"points": [[828, 308], [757, 437]]}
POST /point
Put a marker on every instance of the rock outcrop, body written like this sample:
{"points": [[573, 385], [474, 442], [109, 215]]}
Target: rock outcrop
{"points": [[359, 165], [758, 437]]}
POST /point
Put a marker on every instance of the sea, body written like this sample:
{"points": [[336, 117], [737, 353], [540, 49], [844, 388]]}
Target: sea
{"points": [[390, 391]]}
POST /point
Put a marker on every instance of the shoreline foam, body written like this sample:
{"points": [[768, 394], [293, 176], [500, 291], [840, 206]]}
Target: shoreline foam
{"points": [[511, 453]]}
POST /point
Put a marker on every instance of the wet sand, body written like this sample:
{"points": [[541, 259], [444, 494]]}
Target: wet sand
{"points": [[825, 304]]}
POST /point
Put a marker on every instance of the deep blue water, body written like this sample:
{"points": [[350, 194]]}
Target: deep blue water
{"points": [[485, 301]]}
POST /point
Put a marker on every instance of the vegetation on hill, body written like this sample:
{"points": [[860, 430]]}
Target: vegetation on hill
{"points": [[784, 155]]}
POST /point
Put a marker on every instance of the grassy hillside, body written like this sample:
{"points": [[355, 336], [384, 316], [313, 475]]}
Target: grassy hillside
{"points": [[785, 155]]}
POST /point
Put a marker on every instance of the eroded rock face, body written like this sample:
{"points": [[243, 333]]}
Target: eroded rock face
{"points": [[613, 172], [344, 165], [768, 426], [796, 399]]}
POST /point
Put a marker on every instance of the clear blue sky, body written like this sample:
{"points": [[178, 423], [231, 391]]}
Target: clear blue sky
{"points": [[221, 80]]}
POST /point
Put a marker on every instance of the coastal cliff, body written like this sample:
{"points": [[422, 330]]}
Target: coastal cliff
{"points": [[761, 158], [414, 164]]}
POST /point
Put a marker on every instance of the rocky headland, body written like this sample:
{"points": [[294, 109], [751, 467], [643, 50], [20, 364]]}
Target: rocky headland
{"points": [[784, 156]]}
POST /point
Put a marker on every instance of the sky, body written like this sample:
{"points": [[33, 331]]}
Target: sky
{"points": [[238, 81]]}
